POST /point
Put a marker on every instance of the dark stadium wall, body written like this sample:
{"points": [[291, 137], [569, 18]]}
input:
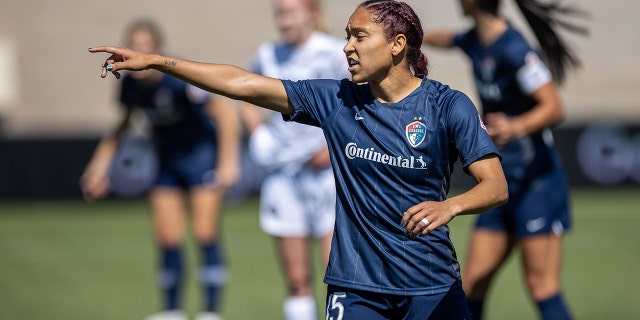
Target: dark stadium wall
{"points": [[605, 154], [43, 168], [600, 154]]}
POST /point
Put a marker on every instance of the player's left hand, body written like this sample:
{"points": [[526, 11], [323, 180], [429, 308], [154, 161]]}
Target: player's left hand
{"points": [[501, 128], [321, 159], [227, 176], [425, 217], [94, 186]]}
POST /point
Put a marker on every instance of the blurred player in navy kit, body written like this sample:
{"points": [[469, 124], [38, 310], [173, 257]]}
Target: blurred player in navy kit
{"points": [[391, 255], [520, 104], [297, 198], [196, 136]]}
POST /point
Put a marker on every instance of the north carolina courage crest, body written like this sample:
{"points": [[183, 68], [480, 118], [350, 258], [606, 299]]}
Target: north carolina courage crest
{"points": [[416, 132]]}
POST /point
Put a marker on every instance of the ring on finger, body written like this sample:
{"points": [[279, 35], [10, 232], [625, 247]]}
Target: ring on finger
{"points": [[425, 221]]}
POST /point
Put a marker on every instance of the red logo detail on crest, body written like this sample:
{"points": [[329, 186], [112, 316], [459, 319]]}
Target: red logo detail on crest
{"points": [[416, 132], [482, 123]]}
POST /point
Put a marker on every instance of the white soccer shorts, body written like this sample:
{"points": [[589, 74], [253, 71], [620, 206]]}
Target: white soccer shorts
{"points": [[301, 205]]}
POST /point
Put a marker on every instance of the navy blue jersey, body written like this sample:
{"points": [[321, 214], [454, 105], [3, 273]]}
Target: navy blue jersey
{"points": [[386, 158], [496, 70], [506, 73], [175, 109]]}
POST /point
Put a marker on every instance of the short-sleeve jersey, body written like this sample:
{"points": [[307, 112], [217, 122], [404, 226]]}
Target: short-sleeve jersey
{"points": [[506, 73], [386, 158], [176, 111], [320, 57]]}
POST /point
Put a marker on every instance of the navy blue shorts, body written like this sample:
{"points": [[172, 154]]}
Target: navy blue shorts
{"points": [[537, 207], [189, 168], [349, 304]]}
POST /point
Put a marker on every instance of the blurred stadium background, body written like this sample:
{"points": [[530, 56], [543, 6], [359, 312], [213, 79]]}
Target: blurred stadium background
{"points": [[63, 259]]}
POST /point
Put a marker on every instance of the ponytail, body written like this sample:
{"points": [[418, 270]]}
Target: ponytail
{"points": [[420, 66], [543, 20]]}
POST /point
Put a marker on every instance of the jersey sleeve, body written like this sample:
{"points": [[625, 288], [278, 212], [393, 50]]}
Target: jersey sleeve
{"points": [[312, 100], [531, 72], [463, 41], [466, 130]]}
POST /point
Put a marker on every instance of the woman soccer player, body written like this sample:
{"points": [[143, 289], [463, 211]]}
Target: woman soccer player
{"points": [[520, 105], [393, 137], [197, 162], [297, 198]]}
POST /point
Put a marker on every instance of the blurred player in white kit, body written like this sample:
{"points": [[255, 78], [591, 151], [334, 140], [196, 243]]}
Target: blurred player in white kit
{"points": [[297, 201]]}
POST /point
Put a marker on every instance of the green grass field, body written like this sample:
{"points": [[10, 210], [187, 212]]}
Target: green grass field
{"points": [[71, 260]]}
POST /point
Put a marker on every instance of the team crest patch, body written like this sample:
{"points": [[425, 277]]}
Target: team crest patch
{"points": [[488, 69], [416, 132]]}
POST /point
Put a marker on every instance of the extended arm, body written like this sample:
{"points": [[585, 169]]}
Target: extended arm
{"points": [[226, 80], [440, 39]]}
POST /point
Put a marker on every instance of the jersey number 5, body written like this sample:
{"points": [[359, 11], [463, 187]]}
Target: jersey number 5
{"points": [[335, 304]]}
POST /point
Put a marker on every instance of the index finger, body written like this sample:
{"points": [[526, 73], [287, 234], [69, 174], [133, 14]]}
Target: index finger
{"points": [[109, 49]]}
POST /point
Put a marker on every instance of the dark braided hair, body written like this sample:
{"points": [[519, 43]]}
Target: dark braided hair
{"points": [[543, 20], [398, 18]]}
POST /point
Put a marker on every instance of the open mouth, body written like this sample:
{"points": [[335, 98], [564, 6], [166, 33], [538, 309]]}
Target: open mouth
{"points": [[352, 64]]}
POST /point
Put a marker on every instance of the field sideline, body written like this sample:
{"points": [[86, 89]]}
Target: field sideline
{"points": [[71, 260]]}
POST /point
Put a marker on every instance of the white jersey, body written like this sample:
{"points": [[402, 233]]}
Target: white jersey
{"points": [[286, 146], [296, 200]]}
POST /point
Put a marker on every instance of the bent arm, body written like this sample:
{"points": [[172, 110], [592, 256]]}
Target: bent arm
{"points": [[226, 80], [224, 114], [490, 192], [546, 113], [94, 181]]}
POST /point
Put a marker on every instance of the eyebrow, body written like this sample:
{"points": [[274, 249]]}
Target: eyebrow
{"points": [[354, 29]]}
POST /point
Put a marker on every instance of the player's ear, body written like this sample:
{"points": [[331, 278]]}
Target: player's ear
{"points": [[398, 44]]}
